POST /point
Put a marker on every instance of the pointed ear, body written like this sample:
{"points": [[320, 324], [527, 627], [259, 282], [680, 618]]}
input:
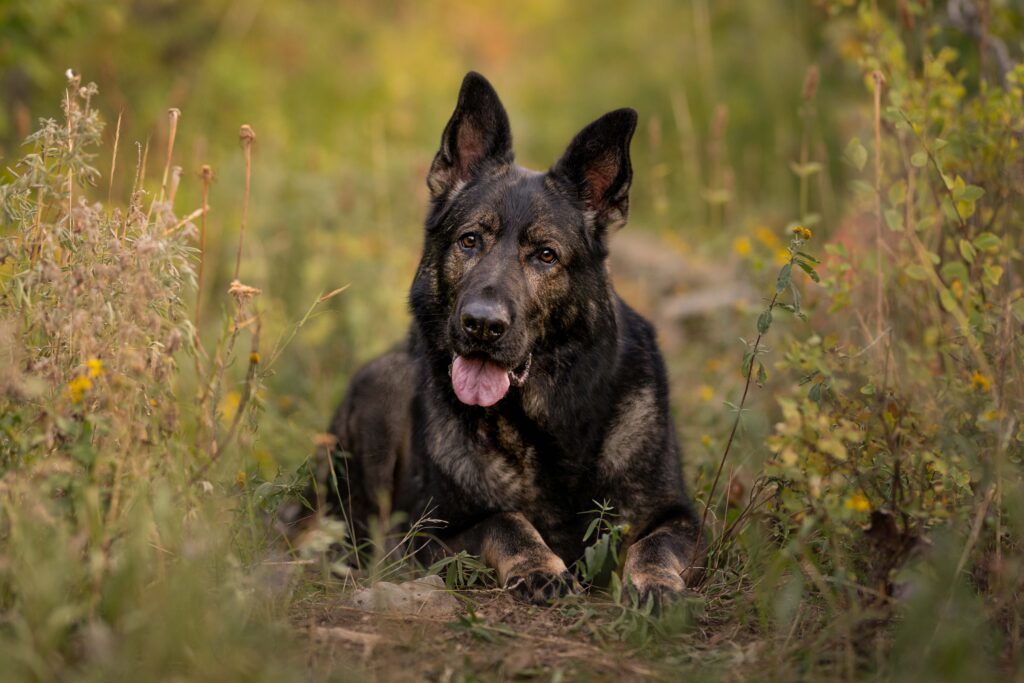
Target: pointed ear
{"points": [[596, 171], [478, 133]]}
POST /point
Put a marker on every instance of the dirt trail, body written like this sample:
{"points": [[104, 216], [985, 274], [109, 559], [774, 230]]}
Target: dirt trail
{"points": [[495, 638]]}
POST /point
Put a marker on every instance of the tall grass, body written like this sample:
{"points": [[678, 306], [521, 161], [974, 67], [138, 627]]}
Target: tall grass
{"points": [[120, 551]]}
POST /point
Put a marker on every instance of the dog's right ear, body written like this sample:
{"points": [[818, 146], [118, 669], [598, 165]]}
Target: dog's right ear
{"points": [[477, 134]]}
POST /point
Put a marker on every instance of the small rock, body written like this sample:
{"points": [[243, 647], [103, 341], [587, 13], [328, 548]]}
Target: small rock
{"points": [[424, 597]]}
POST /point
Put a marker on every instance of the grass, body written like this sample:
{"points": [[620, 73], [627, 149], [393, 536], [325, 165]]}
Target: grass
{"points": [[163, 380]]}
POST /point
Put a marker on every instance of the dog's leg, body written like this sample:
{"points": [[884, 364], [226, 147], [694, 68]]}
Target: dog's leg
{"points": [[665, 561], [526, 566]]}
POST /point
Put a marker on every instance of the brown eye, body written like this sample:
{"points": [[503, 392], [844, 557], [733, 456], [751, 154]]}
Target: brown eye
{"points": [[469, 241], [547, 256]]}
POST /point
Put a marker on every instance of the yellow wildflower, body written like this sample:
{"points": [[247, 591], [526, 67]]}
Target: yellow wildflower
{"points": [[94, 366], [705, 439], [229, 405], [705, 392], [766, 236], [741, 245], [254, 357], [77, 388], [802, 232], [858, 503], [957, 289], [981, 382]]}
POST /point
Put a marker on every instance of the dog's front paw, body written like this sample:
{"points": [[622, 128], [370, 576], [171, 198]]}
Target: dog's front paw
{"points": [[540, 587], [656, 587]]}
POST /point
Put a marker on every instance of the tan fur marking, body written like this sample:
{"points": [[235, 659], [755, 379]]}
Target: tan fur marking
{"points": [[646, 569], [537, 557], [626, 436]]}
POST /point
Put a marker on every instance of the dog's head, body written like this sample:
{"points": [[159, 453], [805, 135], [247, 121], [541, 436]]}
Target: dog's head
{"points": [[513, 257]]}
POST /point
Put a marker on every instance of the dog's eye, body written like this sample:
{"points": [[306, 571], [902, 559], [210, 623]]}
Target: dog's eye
{"points": [[469, 241], [547, 256]]}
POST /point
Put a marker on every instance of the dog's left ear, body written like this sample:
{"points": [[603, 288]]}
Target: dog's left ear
{"points": [[477, 133], [595, 168]]}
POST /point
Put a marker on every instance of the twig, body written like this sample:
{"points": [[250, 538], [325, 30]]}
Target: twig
{"points": [[113, 157], [879, 79], [206, 173], [732, 433], [247, 137], [173, 115]]}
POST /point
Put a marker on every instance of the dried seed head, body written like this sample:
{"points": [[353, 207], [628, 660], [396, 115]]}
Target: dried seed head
{"points": [[325, 440], [246, 134], [173, 341], [242, 292], [206, 173]]}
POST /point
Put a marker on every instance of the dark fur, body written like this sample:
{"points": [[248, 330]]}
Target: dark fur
{"points": [[591, 420]]}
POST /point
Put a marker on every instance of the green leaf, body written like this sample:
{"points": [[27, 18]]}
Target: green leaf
{"points": [[784, 276], [856, 154], [815, 393], [916, 272], [809, 269], [805, 170], [993, 274], [919, 159], [808, 257], [968, 193], [986, 241], [862, 186], [894, 219], [748, 358], [898, 193], [764, 321], [967, 250], [954, 270], [947, 300], [762, 375], [1018, 309]]}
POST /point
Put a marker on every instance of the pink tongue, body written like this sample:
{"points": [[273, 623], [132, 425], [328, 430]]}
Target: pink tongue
{"points": [[479, 382]]}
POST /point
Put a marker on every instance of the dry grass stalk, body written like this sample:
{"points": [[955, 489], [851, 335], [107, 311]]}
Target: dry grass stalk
{"points": [[247, 137], [206, 175], [879, 80], [113, 156]]}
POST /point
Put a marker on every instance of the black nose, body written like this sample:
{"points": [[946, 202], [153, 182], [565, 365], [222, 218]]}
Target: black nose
{"points": [[484, 321]]}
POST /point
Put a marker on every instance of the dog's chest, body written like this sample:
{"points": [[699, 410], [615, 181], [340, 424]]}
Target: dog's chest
{"points": [[501, 466]]}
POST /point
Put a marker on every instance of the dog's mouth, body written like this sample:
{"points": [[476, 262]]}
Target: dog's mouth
{"points": [[479, 381]]}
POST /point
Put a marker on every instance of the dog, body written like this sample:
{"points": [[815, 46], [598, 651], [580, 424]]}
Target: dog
{"points": [[526, 389]]}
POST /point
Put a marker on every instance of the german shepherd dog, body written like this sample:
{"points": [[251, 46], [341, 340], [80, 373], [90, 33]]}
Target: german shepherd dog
{"points": [[526, 390]]}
